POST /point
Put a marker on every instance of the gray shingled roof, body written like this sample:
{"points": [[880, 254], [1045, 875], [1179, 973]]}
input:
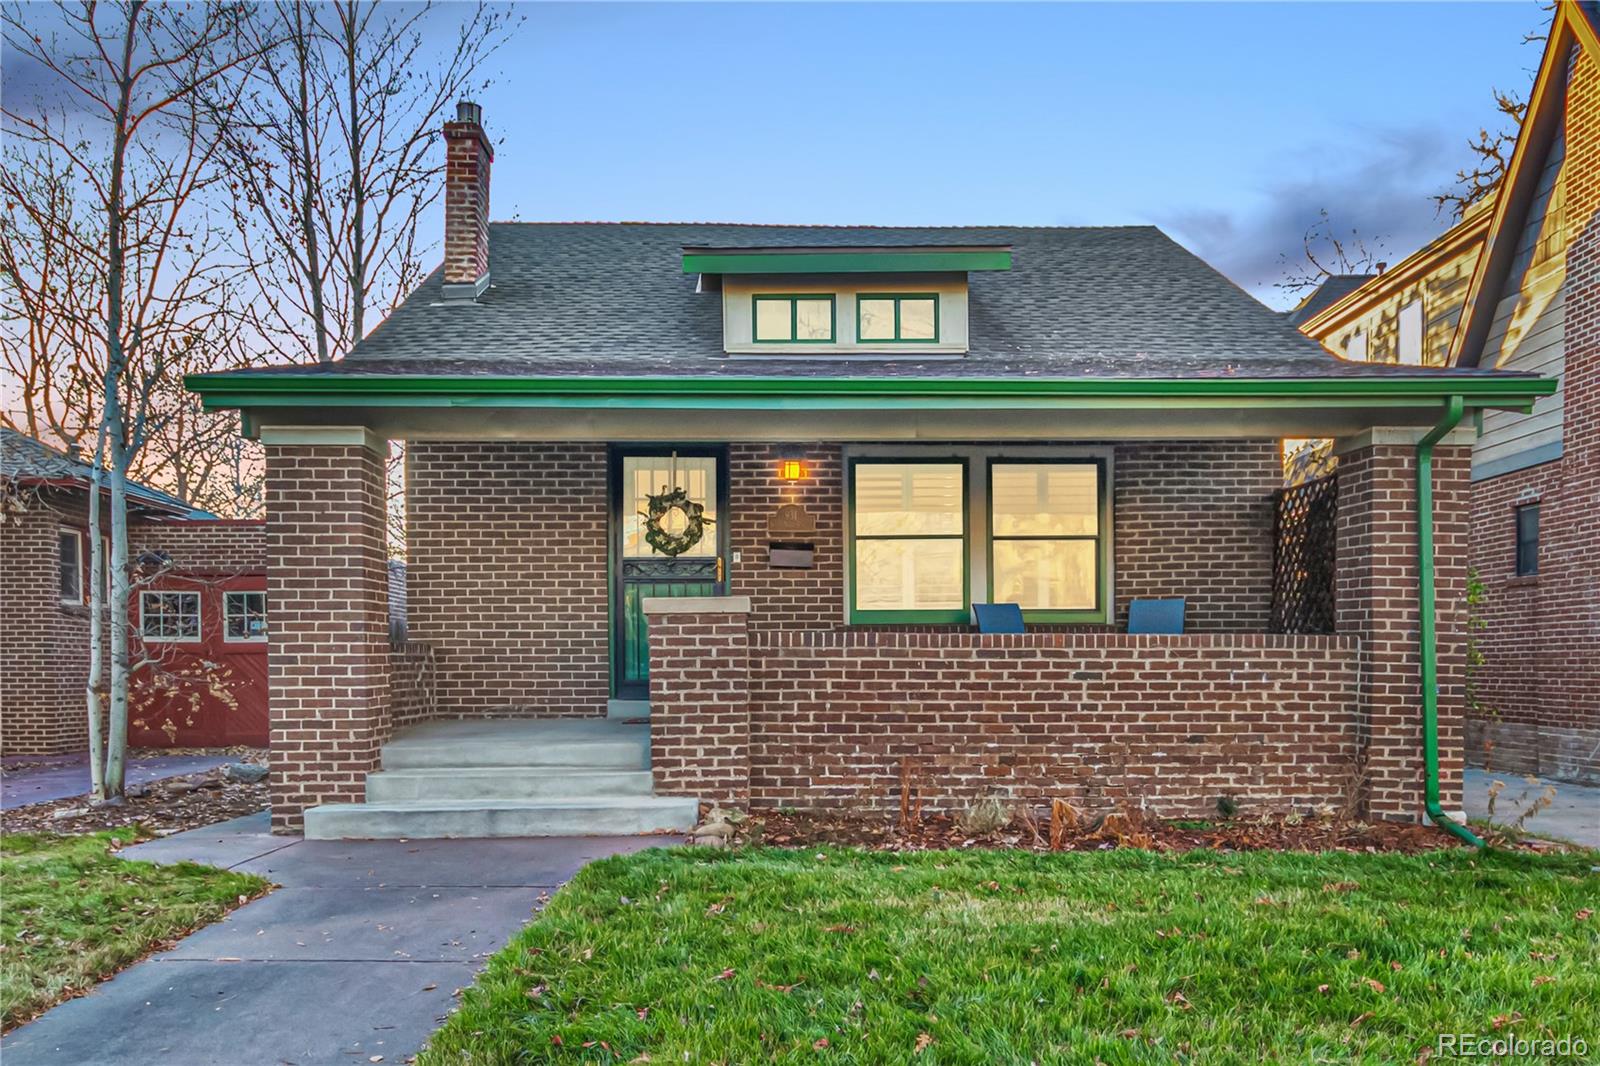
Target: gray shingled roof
{"points": [[25, 459], [1334, 288], [610, 299]]}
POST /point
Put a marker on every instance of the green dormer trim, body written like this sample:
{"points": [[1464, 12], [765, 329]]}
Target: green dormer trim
{"points": [[928, 260]]}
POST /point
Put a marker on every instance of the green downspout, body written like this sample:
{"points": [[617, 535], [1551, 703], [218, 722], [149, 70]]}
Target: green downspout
{"points": [[1427, 627]]}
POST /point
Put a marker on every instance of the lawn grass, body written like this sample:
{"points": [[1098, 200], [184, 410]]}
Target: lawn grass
{"points": [[693, 955], [72, 913]]}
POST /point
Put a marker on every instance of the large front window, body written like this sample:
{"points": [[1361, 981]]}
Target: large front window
{"points": [[1039, 537], [909, 523], [1044, 529]]}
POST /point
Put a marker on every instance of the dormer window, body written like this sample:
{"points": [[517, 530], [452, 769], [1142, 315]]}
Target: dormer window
{"points": [[803, 318], [870, 302], [897, 318]]}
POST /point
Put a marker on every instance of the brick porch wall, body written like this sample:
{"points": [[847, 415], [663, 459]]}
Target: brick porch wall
{"points": [[328, 646], [1170, 724]]}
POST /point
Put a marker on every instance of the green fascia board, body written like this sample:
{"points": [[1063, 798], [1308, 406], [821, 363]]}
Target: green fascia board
{"points": [[238, 389], [844, 262]]}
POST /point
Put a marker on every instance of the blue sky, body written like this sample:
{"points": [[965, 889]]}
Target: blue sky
{"points": [[1229, 125]]}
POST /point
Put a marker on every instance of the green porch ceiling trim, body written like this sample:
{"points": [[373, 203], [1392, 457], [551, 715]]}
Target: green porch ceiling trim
{"points": [[1427, 634], [232, 389], [846, 262]]}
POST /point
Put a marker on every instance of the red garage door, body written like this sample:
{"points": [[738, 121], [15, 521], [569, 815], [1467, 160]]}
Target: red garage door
{"points": [[201, 646]]}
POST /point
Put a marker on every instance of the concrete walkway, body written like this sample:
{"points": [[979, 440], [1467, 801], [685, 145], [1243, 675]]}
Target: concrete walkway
{"points": [[357, 955], [1574, 815], [42, 778]]}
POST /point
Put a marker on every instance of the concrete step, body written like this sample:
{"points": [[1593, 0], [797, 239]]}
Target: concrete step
{"points": [[511, 783], [589, 743], [569, 816], [616, 708]]}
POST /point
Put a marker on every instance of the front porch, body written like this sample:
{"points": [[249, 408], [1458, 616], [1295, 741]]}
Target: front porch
{"points": [[767, 685]]}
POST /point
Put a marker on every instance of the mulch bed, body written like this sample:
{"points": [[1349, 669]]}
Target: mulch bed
{"points": [[160, 807], [941, 831]]}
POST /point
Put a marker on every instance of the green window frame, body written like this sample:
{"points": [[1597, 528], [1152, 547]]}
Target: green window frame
{"points": [[858, 616], [897, 297], [1102, 556], [793, 300]]}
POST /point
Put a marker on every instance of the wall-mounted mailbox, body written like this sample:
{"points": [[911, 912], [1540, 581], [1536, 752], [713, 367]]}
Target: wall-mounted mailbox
{"points": [[792, 554]]}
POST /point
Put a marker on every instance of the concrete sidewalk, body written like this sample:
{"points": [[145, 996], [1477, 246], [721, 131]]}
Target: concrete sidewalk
{"points": [[42, 778], [357, 955], [1574, 816]]}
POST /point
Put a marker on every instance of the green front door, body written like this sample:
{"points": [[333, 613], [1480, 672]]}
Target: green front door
{"points": [[639, 571]]}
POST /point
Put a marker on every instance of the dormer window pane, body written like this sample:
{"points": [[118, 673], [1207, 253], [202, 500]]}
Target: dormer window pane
{"points": [[891, 318], [877, 318], [813, 320], [802, 319], [918, 320], [772, 320]]}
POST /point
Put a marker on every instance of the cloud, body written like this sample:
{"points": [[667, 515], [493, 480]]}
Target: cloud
{"points": [[1377, 188]]}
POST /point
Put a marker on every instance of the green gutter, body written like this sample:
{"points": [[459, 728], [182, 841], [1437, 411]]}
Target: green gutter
{"points": [[252, 389], [1455, 407]]}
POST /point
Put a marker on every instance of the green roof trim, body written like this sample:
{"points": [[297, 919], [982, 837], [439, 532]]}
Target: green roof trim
{"points": [[844, 261], [240, 389]]}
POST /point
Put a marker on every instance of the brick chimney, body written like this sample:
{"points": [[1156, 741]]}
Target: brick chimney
{"points": [[466, 205]]}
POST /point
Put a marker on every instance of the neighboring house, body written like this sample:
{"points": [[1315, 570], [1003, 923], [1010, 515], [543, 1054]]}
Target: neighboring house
{"points": [[1513, 286], [849, 436], [198, 612]]}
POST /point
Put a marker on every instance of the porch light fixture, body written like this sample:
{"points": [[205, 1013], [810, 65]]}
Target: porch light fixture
{"points": [[791, 469]]}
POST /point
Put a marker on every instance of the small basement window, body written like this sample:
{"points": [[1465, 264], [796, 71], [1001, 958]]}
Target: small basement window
{"points": [[803, 318], [902, 318], [70, 558], [244, 616], [169, 616], [1527, 539]]}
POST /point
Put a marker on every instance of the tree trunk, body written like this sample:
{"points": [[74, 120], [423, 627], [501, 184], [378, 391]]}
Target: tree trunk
{"points": [[97, 633], [113, 419]]}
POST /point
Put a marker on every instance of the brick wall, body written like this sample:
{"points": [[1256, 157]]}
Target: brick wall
{"points": [[1171, 724], [328, 647], [506, 575], [46, 663], [507, 542], [206, 548], [1194, 519], [412, 678], [1191, 519], [700, 734], [46, 643], [1376, 595]]}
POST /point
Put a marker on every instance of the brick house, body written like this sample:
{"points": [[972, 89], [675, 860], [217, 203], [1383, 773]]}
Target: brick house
{"points": [[1516, 285], [871, 430], [199, 612]]}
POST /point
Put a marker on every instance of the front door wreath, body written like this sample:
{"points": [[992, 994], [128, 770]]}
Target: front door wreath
{"points": [[663, 504]]}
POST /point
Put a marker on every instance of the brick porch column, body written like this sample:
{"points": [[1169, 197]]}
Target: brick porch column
{"points": [[1376, 595], [327, 601], [700, 697]]}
